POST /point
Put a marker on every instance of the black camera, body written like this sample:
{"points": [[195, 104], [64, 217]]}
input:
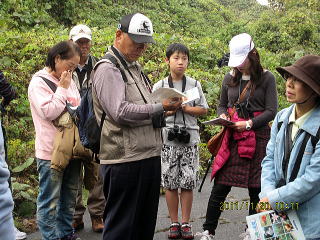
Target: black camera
{"points": [[159, 120], [242, 110], [179, 133]]}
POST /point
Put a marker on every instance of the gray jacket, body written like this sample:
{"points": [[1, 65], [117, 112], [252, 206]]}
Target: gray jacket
{"points": [[127, 133]]}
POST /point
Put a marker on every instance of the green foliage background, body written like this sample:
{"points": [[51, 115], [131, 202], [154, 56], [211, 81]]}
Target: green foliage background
{"points": [[283, 32]]}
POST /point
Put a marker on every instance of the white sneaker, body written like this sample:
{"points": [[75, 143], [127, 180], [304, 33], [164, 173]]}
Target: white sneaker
{"points": [[245, 235], [205, 235], [19, 235]]}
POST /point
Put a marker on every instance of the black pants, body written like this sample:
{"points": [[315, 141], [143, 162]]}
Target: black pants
{"points": [[132, 197], [216, 204]]}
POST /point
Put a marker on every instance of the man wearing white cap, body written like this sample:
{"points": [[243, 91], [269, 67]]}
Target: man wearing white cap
{"points": [[130, 143], [82, 36]]}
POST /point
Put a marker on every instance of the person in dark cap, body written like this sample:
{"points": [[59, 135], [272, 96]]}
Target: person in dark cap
{"points": [[130, 143], [291, 169]]}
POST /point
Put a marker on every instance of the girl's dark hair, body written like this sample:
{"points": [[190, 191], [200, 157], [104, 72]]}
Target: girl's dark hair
{"points": [[177, 47], [64, 49], [256, 70]]}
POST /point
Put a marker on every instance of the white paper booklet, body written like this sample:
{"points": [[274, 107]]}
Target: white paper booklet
{"points": [[192, 94], [218, 121], [166, 93], [275, 226]]}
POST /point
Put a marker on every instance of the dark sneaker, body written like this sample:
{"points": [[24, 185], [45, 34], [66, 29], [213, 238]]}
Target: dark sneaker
{"points": [[186, 232], [97, 224], [77, 224], [71, 236], [174, 231]]}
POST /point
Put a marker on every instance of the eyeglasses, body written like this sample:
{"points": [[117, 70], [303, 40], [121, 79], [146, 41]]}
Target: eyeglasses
{"points": [[288, 76]]}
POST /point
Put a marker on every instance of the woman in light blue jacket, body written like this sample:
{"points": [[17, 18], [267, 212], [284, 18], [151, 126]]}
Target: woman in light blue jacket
{"points": [[286, 184]]}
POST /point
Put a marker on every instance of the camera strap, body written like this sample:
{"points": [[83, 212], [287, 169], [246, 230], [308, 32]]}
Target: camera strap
{"points": [[125, 65], [184, 83], [184, 120], [244, 91]]}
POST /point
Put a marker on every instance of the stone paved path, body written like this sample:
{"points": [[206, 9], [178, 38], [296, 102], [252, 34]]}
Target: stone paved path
{"points": [[231, 224]]}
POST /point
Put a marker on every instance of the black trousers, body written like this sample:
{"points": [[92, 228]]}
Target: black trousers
{"points": [[216, 205], [132, 197]]}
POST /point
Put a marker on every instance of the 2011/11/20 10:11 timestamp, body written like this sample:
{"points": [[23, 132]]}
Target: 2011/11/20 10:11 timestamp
{"points": [[246, 205]]}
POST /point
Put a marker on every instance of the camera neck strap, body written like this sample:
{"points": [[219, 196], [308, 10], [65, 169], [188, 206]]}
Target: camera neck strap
{"points": [[125, 65], [184, 83], [184, 120], [244, 91]]}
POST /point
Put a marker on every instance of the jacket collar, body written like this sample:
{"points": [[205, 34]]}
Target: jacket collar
{"points": [[310, 125], [129, 64]]}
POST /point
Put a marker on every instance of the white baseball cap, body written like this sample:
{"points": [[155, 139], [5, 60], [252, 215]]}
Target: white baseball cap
{"points": [[240, 46], [138, 27], [80, 31]]}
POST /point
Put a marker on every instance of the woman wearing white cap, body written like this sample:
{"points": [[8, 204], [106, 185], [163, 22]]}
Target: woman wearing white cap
{"points": [[249, 99]]}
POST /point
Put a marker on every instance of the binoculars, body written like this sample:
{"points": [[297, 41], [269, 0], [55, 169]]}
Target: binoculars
{"points": [[179, 133]]}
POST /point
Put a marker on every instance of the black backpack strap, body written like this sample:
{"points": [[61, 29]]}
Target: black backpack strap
{"points": [[95, 155], [315, 139], [103, 117], [287, 150], [279, 125], [90, 68], [115, 62], [297, 164], [51, 84], [195, 85], [124, 64]]}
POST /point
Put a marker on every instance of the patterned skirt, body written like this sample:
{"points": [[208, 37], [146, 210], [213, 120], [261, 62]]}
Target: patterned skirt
{"points": [[179, 167]]}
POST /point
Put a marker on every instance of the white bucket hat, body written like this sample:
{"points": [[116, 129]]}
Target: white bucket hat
{"points": [[240, 46]]}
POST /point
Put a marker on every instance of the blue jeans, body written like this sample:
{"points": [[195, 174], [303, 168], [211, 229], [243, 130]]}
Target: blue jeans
{"points": [[57, 198], [6, 202]]}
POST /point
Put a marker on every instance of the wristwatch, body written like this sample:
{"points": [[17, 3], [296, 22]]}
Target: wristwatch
{"points": [[248, 126]]}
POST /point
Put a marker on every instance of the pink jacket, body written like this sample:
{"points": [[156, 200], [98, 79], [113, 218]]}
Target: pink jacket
{"points": [[246, 142], [46, 106]]}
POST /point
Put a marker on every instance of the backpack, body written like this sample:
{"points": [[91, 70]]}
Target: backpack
{"points": [[89, 130], [295, 170]]}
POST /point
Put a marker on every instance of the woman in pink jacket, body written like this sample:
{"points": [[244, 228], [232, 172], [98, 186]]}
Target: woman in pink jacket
{"points": [[57, 190]]}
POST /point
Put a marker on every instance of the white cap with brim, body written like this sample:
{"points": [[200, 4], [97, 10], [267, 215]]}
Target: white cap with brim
{"points": [[138, 26], [240, 46], [80, 31]]}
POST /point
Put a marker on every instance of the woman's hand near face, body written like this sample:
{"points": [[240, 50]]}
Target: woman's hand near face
{"points": [[65, 79]]}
